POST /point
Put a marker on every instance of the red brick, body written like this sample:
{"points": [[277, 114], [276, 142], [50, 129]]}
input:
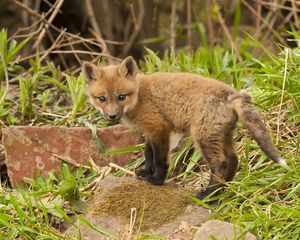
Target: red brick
{"points": [[29, 149]]}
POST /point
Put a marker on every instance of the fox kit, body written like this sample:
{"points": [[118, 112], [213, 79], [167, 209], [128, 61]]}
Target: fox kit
{"points": [[162, 103]]}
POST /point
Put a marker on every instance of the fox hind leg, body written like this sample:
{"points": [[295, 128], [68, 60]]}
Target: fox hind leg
{"points": [[212, 149], [232, 159]]}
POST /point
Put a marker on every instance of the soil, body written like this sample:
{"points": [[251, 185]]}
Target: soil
{"points": [[155, 205]]}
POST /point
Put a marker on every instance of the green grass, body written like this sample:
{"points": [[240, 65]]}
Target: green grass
{"points": [[262, 199], [32, 212]]}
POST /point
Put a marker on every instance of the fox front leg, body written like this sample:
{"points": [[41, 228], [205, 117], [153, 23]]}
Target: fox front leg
{"points": [[156, 153], [149, 162]]}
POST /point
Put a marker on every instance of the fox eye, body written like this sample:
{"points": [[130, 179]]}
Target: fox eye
{"points": [[121, 97], [101, 99]]}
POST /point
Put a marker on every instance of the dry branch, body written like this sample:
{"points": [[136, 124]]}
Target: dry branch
{"points": [[258, 20], [227, 33], [189, 25], [95, 25], [294, 11], [276, 5], [65, 43], [25, 15], [138, 25], [53, 45], [210, 25], [173, 25], [70, 161], [264, 21], [95, 167], [58, 5], [113, 165]]}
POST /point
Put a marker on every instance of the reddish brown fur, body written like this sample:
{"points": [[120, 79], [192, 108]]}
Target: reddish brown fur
{"points": [[162, 103]]}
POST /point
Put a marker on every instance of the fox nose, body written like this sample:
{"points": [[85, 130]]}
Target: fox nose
{"points": [[112, 117]]}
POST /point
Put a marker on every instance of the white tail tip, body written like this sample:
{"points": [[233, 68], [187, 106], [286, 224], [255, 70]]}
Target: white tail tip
{"points": [[282, 162]]}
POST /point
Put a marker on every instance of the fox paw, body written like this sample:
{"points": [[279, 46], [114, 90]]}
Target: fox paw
{"points": [[203, 194], [154, 180], [142, 173], [209, 191]]}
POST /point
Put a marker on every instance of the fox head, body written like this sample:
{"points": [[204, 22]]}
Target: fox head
{"points": [[112, 89]]}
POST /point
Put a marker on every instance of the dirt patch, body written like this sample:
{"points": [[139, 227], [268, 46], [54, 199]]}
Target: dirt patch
{"points": [[155, 205], [164, 210]]}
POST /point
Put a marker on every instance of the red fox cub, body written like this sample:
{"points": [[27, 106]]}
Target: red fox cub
{"points": [[162, 103]]}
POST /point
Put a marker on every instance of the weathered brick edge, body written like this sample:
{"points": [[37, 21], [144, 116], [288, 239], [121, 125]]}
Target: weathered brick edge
{"points": [[29, 148]]}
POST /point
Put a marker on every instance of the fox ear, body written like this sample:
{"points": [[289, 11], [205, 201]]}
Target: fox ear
{"points": [[128, 67], [89, 71]]}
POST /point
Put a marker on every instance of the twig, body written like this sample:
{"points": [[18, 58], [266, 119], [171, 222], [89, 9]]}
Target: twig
{"points": [[138, 25], [42, 18], [81, 40], [29, 33], [294, 10], [71, 52], [90, 185], [62, 59], [84, 52], [26, 8], [37, 5], [36, 14], [257, 22], [131, 6], [51, 18], [104, 172], [25, 15], [95, 25], [95, 167], [6, 78], [70, 161], [75, 54], [53, 45], [52, 115], [210, 25], [286, 20], [227, 33], [274, 4], [264, 21], [133, 213], [189, 25], [113, 165], [282, 92], [173, 25]]}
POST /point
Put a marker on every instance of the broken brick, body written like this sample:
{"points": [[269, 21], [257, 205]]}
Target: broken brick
{"points": [[29, 149]]}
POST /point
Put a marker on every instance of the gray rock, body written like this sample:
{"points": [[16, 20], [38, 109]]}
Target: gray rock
{"points": [[215, 229], [193, 216]]}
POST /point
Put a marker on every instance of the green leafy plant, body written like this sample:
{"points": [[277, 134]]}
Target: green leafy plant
{"points": [[9, 50], [77, 89]]}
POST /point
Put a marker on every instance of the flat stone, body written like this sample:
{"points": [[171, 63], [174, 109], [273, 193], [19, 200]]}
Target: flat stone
{"points": [[118, 226], [31, 149], [221, 231]]}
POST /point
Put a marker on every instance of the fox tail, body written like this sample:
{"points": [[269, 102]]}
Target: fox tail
{"points": [[251, 119]]}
